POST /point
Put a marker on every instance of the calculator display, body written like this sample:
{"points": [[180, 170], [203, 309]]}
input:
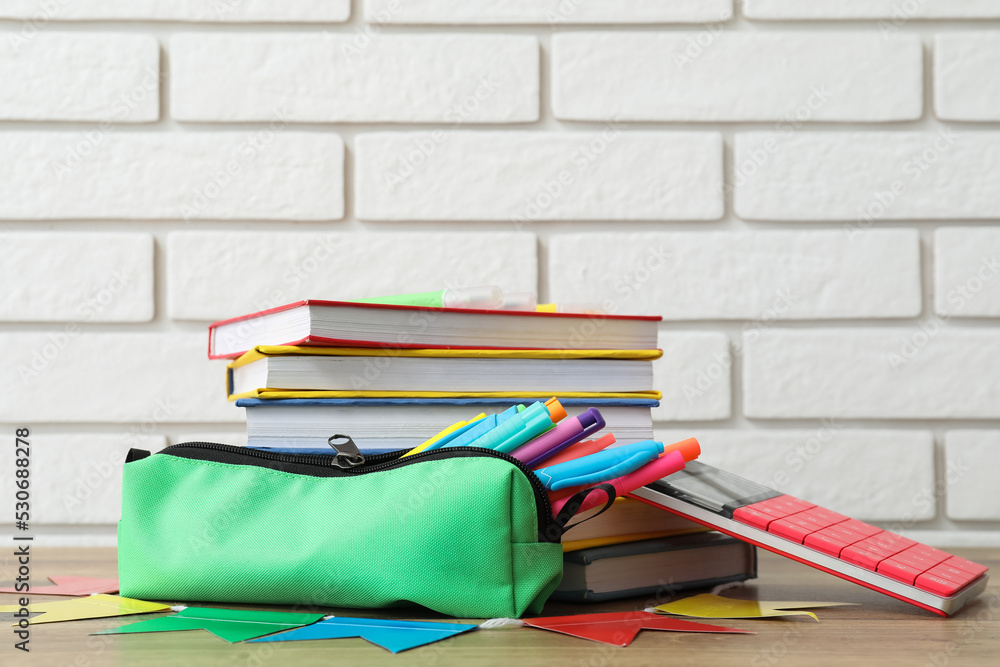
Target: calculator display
{"points": [[713, 489]]}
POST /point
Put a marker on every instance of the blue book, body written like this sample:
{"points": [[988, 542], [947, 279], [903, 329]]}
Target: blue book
{"points": [[387, 424]]}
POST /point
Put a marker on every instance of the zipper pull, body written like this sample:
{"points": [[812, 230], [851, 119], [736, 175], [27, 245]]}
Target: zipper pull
{"points": [[348, 454]]}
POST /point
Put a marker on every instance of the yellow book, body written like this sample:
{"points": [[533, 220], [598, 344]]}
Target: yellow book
{"points": [[275, 372], [577, 545]]}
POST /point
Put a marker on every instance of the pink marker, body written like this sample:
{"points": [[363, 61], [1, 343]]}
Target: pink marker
{"points": [[667, 464], [584, 448]]}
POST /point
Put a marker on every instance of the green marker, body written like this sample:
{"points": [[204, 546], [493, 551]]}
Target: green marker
{"points": [[488, 297]]}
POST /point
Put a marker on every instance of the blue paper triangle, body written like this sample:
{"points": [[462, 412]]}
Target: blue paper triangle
{"points": [[390, 634]]}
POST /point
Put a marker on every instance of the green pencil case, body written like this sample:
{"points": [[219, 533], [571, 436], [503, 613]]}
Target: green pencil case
{"points": [[463, 531]]}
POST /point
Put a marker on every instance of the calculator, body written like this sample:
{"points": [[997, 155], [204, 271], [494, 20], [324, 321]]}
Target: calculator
{"points": [[850, 549]]}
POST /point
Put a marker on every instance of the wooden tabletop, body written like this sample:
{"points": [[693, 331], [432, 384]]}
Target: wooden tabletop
{"points": [[881, 631]]}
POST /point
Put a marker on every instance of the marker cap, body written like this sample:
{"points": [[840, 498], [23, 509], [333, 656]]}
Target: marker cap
{"points": [[689, 449], [556, 411], [489, 297]]}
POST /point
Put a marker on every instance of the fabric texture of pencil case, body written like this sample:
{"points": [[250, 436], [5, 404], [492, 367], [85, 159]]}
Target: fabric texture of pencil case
{"points": [[463, 531]]}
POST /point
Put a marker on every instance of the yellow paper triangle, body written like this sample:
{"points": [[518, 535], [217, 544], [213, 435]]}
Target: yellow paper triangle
{"points": [[707, 605], [94, 606]]}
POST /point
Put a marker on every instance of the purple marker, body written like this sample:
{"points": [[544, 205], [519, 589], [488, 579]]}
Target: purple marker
{"points": [[567, 432]]}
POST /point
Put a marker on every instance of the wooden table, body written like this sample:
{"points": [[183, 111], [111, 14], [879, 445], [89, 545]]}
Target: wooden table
{"points": [[881, 631]]}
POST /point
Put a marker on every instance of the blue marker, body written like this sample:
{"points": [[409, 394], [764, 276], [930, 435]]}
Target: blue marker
{"points": [[599, 467]]}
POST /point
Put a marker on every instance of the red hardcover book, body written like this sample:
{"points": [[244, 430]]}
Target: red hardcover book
{"points": [[348, 324]]}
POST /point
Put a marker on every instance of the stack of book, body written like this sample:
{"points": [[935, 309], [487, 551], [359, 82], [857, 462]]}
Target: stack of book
{"points": [[392, 376]]}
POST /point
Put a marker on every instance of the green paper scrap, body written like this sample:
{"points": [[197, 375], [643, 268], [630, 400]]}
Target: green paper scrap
{"points": [[707, 605], [232, 625]]}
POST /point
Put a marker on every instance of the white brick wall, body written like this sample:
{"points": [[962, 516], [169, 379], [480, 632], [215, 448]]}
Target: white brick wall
{"points": [[760, 76], [965, 90], [806, 191], [897, 11], [397, 78], [71, 76], [216, 275]]}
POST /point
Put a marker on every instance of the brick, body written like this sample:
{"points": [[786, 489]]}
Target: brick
{"points": [[919, 372], [111, 279], [762, 276], [265, 174], [216, 275], [147, 379], [967, 271], [329, 78], [547, 12], [865, 177], [527, 176], [898, 12], [110, 77], [694, 376], [786, 77], [965, 85], [76, 479], [972, 458], [236, 11], [891, 471]]}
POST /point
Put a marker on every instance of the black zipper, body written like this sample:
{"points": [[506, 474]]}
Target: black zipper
{"points": [[548, 528]]}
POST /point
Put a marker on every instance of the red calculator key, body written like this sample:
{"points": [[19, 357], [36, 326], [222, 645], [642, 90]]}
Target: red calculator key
{"points": [[822, 516], [797, 526], [921, 557], [937, 585], [894, 569], [782, 506], [975, 569], [864, 555], [888, 542], [833, 539], [753, 517], [826, 543], [858, 527]]}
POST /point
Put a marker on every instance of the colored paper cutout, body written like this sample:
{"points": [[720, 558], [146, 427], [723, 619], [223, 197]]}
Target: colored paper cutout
{"points": [[707, 605], [393, 635], [70, 586], [620, 628], [232, 625], [95, 606]]}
